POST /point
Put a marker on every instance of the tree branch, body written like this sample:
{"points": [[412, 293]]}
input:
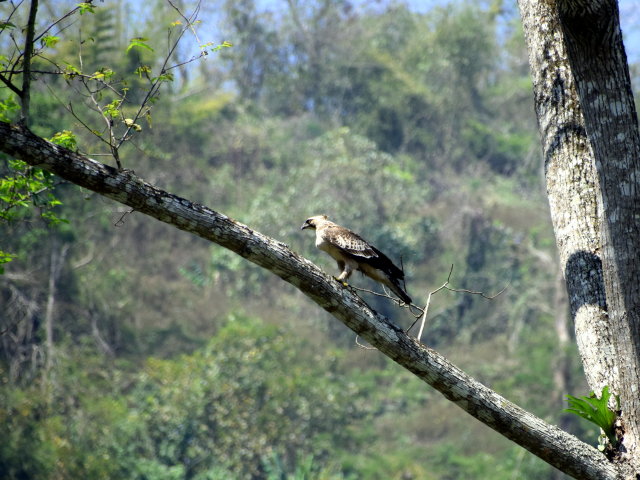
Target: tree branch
{"points": [[556, 447], [28, 53]]}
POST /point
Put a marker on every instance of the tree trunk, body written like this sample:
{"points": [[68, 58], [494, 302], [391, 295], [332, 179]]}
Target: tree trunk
{"points": [[591, 146], [56, 262]]}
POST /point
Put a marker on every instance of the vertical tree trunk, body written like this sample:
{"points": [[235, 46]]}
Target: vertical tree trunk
{"points": [[55, 266], [591, 145], [599, 64]]}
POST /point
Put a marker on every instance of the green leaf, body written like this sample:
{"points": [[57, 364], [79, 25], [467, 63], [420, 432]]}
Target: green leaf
{"points": [[138, 42], [111, 109], [5, 25], [142, 70], [165, 77], [7, 107], [71, 70], [5, 257], [50, 41], [597, 411], [52, 218], [103, 74], [65, 139], [224, 44], [86, 7], [26, 185]]}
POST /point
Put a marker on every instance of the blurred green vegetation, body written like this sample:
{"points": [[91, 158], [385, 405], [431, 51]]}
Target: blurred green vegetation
{"points": [[170, 358]]}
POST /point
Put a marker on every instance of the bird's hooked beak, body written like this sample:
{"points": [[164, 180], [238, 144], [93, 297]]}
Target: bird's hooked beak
{"points": [[306, 224]]}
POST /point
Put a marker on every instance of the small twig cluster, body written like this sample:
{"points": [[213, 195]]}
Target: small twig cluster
{"points": [[419, 313]]}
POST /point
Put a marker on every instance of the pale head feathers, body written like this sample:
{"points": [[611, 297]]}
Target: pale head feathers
{"points": [[315, 222]]}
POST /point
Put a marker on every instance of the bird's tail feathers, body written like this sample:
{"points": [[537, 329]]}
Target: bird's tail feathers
{"points": [[395, 287]]}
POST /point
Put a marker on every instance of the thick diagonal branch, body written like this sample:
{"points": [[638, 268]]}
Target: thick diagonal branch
{"points": [[553, 445]]}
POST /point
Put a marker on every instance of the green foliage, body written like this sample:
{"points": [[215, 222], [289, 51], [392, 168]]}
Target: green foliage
{"points": [[5, 257], [188, 404], [70, 70], [597, 411], [49, 41], [86, 7], [8, 107], [139, 42], [65, 138], [104, 73], [210, 414], [216, 48], [23, 186], [112, 108], [25, 451], [143, 70]]}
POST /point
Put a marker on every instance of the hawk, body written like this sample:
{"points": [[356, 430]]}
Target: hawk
{"points": [[352, 252]]}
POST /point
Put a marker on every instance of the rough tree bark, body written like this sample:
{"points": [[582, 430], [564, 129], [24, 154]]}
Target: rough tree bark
{"points": [[589, 131], [548, 442]]}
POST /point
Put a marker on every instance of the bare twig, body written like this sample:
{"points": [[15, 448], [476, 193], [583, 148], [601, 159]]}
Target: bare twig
{"points": [[364, 347], [120, 221], [189, 21], [445, 286], [64, 17], [426, 308], [155, 86], [482, 294]]}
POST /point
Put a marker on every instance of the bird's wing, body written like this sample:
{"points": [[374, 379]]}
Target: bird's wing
{"points": [[357, 248], [349, 243]]}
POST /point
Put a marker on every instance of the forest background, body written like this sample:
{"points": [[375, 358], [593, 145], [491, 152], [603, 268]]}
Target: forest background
{"points": [[172, 358]]}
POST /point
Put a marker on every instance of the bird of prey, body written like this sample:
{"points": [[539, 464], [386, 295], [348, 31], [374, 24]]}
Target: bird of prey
{"points": [[352, 252]]}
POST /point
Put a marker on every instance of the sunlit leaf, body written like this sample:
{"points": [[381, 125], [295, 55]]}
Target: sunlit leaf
{"points": [[5, 257], [112, 109], [103, 74], [597, 411], [86, 7], [138, 42], [224, 44], [65, 139], [142, 70], [50, 41], [130, 123]]}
